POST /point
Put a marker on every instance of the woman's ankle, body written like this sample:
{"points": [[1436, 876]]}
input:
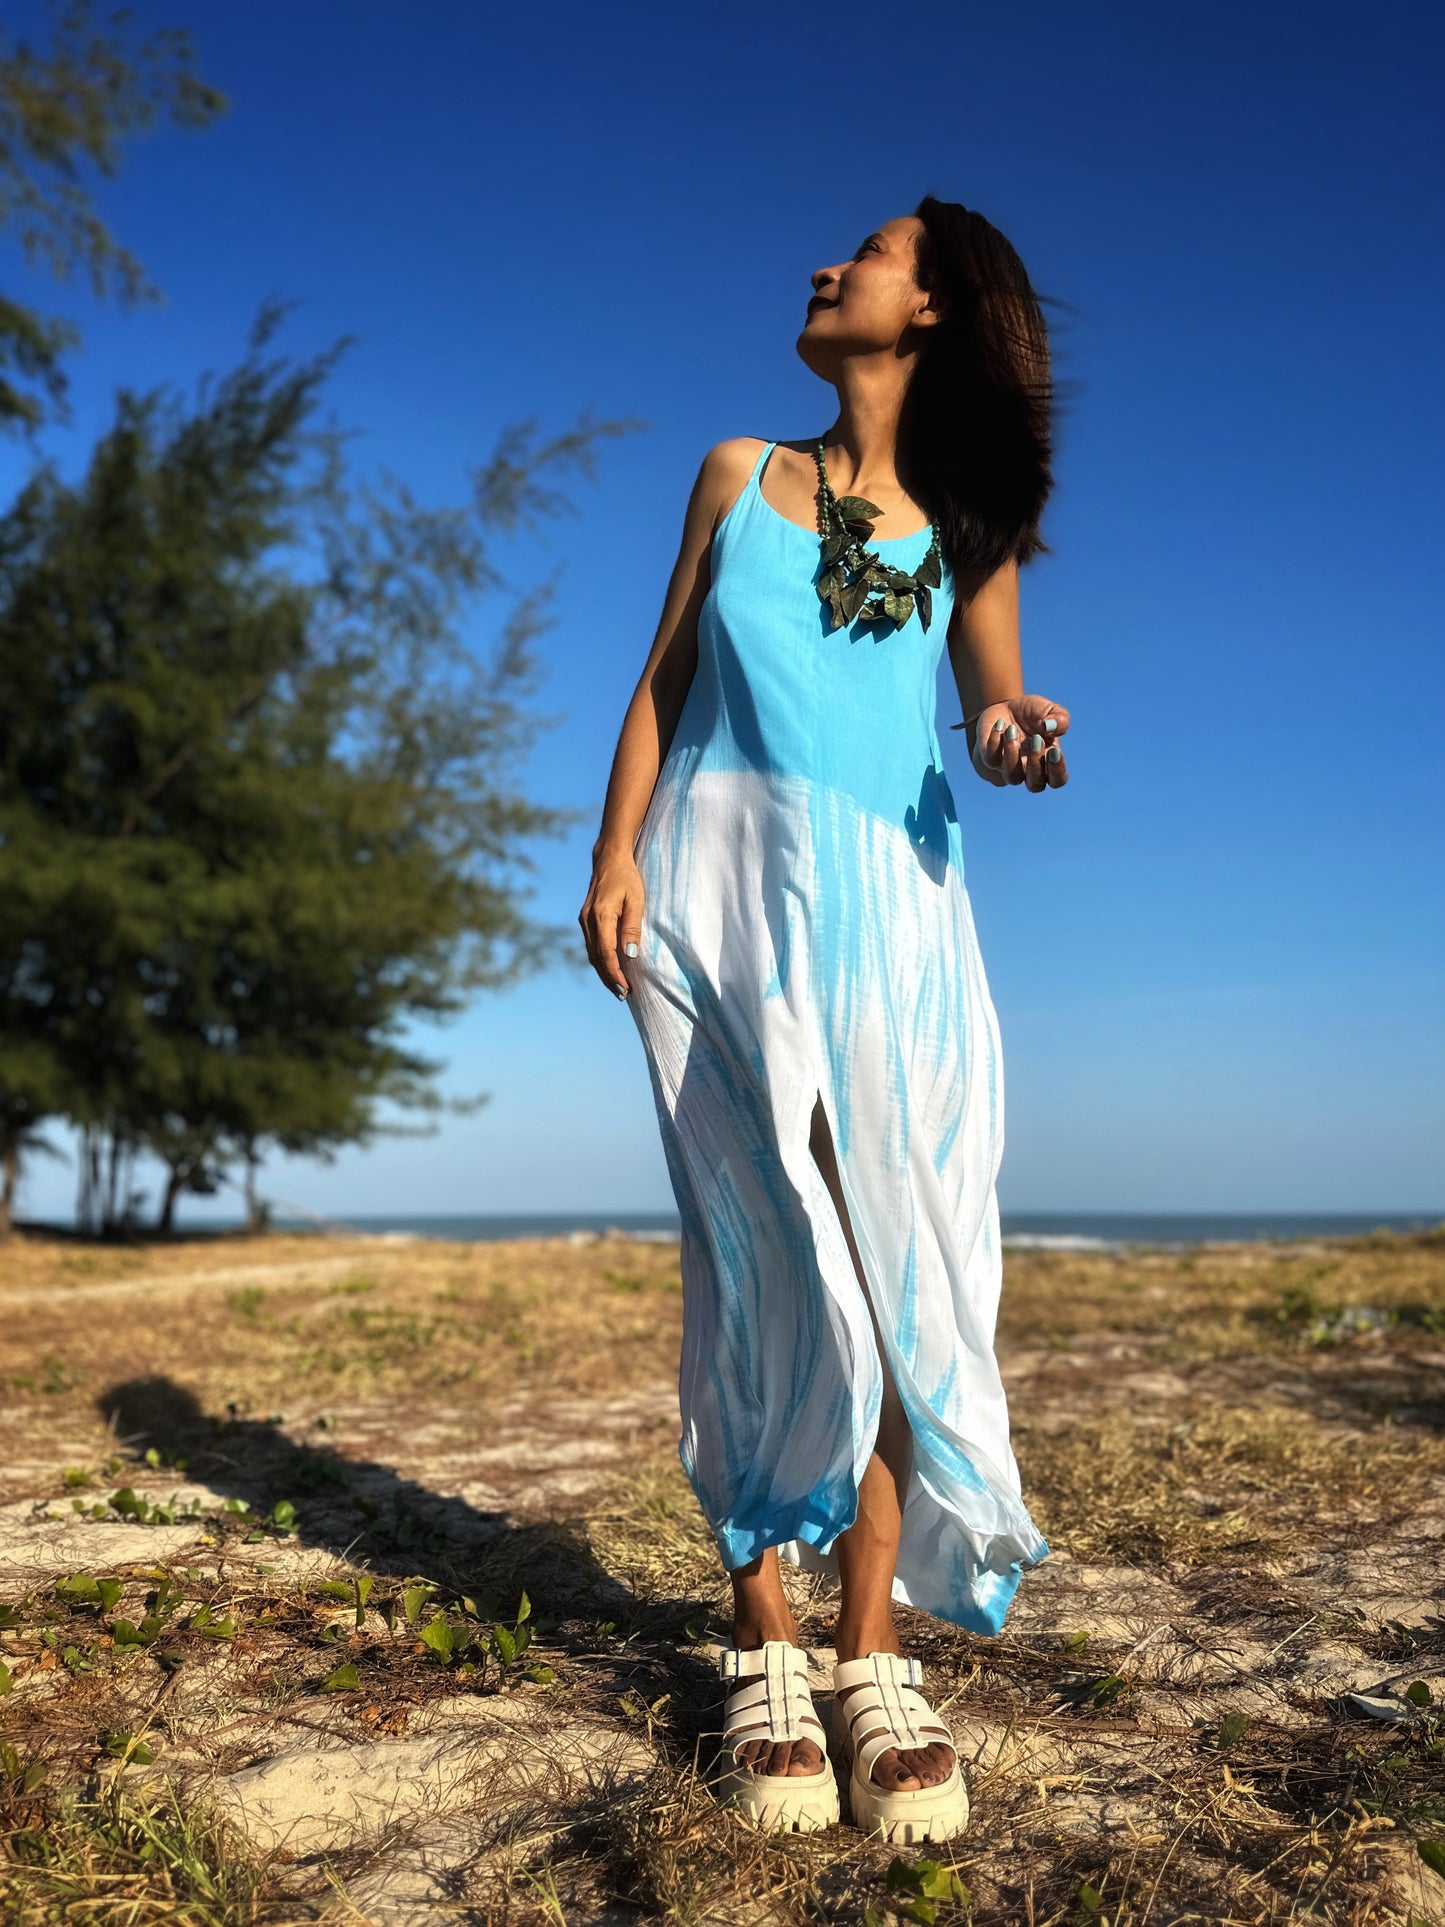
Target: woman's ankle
{"points": [[855, 1641], [760, 1605], [752, 1631]]}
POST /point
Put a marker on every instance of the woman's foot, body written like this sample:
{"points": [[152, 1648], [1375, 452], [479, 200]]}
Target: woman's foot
{"points": [[897, 1769], [783, 1756], [761, 1612], [904, 1779], [771, 1700]]}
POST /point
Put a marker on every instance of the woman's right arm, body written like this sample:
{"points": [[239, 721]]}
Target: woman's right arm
{"points": [[612, 913]]}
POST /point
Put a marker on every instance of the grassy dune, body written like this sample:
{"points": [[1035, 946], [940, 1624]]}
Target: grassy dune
{"points": [[412, 1512]]}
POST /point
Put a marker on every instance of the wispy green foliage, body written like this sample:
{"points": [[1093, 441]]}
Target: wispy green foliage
{"points": [[258, 796], [63, 110]]}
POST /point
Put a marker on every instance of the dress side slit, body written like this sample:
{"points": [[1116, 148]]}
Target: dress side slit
{"points": [[820, 1143]]}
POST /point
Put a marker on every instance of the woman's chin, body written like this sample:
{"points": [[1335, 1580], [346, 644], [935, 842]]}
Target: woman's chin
{"points": [[813, 354]]}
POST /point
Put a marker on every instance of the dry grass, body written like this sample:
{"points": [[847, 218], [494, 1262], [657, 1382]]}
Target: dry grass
{"points": [[1213, 1442], [367, 1317], [1208, 1483], [1218, 1300], [106, 1859]]}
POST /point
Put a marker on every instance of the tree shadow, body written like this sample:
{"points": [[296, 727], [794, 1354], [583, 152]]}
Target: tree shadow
{"points": [[1384, 1386], [1410, 1395], [397, 1528], [360, 1509]]}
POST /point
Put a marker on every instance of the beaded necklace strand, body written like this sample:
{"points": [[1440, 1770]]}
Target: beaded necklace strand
{"points": [[853, 573]]}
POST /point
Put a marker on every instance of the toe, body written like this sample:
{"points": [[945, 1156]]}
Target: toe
{"points": [[805, 1758], [778, 1763], [916, 1761], [891, 1770]]}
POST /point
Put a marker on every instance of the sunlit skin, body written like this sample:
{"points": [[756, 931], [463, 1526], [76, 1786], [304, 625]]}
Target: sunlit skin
{"points": [[866, 322]]}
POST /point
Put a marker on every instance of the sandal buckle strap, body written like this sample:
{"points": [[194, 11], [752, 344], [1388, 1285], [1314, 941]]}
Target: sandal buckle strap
{"points": [[877, 1666], [735, 1662], [773, 1702]]}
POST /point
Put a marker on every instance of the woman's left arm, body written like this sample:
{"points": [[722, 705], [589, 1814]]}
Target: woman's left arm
{"points": [[1012, 737]]}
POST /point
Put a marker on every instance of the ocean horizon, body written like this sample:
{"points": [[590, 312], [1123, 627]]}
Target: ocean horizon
{"points": [[1022, 1231]]}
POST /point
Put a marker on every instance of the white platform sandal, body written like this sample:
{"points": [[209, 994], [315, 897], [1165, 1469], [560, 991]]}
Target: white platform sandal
{"points": [[886, 1708], [773, 1704]]}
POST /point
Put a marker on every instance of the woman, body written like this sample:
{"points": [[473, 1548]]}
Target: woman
{"points": [[778, 891]]}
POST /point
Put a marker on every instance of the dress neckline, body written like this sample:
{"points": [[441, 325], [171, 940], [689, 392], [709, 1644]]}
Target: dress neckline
{"points": [[879, 541]]}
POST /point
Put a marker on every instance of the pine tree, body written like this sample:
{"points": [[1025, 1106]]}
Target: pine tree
{"points": [[258, 803]]}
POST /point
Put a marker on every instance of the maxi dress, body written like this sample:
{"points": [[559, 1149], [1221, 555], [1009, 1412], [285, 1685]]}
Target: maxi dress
{"points": [[806, 934]]}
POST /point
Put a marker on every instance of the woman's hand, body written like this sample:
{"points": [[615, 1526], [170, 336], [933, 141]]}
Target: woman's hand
{"points": [[1018, 742], [612, 916]]}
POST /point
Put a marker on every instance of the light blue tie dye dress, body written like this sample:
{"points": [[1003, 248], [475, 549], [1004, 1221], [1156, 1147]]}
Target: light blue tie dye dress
{"points": [[807, 932]]}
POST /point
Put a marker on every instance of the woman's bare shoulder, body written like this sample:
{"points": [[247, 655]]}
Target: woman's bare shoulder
{"points": [[724, 473], [732, 461]]}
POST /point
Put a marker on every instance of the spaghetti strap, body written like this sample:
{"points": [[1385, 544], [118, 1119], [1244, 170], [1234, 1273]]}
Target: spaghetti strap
{"points": [[741, 504], [754, 483]]}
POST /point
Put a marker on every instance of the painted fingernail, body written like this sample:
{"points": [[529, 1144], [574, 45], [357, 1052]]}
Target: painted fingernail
{"points": [[1012, 734], [998, 726], [1051, 724], [632, 950], [620, 991], [1055, 755], [1036, 743]]}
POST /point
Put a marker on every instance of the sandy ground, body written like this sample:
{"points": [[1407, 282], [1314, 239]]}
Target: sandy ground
{"points": [[269, 1511]]}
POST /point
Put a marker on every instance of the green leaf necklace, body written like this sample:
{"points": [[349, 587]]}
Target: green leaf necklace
{"points": [[852, 574]]}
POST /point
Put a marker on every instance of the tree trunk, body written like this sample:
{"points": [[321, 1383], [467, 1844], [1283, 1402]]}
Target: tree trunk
{"points": [[253, 1203], [11, 1167], [112, 1176], [87, 1204], [174, 1181]]}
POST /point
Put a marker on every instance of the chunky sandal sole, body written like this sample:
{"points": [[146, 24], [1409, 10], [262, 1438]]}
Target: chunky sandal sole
{"points": [[782, 1802], [772, 1702], [905, 1818]]}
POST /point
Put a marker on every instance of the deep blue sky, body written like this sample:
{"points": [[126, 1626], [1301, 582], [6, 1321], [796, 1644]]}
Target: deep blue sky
{"points": [[1217, 954]]}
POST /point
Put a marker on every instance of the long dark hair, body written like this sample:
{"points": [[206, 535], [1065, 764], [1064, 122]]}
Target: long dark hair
{"points": [[976, 434]]}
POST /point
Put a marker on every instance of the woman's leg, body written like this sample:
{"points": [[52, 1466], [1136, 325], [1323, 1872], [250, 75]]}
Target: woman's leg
{"points": [[761, 1612], [867, 1557], [868, 1550]]}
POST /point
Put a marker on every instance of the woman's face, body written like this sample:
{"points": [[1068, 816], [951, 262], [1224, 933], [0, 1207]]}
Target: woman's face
{"points": [[869, 304]]}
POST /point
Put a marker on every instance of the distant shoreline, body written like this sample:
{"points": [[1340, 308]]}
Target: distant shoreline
{"points": [[1022, 1231]]}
